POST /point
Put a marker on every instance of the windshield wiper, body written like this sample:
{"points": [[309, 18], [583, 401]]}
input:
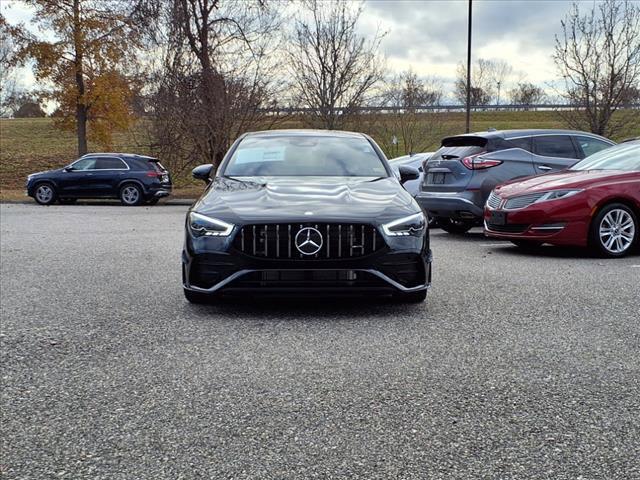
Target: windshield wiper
{"points": [[235, 179], [244, 182]]}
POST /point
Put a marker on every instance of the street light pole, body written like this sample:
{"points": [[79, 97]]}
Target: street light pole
{"points": [[469, 71]]}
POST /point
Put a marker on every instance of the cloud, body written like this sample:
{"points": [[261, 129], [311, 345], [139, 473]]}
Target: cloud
{"points": [[431, 36]]}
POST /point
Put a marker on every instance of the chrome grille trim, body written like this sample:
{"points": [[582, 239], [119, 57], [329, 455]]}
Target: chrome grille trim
{"points": [[522, 201], [342, 240], [494, 200]]}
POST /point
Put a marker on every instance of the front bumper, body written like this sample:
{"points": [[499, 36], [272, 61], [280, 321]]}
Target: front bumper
{"points": [[456, 205], [566, 224], [229, 272]]}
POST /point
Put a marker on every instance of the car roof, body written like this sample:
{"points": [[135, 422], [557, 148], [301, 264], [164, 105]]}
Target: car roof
{"points": [[303, 132], [507, 134], [123, 155]]}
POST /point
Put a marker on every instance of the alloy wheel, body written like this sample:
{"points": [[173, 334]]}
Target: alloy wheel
{"points": [[617, 231], [44, 193], [130, 195]]}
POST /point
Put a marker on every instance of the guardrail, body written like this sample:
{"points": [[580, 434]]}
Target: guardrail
{"points": [[436, 108]]}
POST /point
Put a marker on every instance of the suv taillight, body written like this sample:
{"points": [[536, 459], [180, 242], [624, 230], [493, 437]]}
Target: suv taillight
{"points": [[474, 162]]}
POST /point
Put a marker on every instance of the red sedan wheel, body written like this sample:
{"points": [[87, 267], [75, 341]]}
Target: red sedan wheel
{"points": [[614, 230]]}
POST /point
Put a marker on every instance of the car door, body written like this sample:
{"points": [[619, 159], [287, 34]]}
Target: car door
{"points": [[75, 180], [109, 172], [553, 153]]}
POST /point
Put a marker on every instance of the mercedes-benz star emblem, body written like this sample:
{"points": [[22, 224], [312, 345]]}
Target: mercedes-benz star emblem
{"points": [[308, 241]]}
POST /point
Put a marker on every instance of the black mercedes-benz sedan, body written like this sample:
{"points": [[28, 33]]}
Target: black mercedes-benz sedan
{"points": [[134, 179], [305, 212]]}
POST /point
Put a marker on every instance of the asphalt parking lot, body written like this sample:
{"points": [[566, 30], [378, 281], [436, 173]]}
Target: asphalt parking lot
{"points": [[518, 366]]}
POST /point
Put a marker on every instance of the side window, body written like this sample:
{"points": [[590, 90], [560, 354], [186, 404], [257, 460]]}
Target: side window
{"points": [[110, 163], [524, 143], [555, 146], [85, 164], [590, 146]]}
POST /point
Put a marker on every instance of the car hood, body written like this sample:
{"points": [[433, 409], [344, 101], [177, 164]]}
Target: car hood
{"points": [[284, 199], [46, 172], [561, 180]]}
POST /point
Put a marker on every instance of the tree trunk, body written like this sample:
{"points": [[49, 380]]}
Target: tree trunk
{"points": [[81, 120], [81, 107]]}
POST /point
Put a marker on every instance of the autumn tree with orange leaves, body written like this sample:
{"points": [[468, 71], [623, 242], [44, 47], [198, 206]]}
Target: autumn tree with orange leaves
{"points": [[83, 54]]}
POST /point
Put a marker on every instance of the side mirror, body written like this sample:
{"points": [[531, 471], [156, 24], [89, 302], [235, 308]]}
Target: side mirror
{"points": [[408, 173], [68, 168], [203, 172]]}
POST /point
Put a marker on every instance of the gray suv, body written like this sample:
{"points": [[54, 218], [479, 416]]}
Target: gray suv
{"points": [[459, 177]]}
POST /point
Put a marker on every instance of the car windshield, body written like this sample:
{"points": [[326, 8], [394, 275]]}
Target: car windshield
{"points": [[305, 155], [625, 156]]}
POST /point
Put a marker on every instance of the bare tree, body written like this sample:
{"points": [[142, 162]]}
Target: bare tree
{"points": [[7, 69], [598, 56], [332, 67], [214, 80], [413, 129], [487, 78], [499, 73], [526, 93]]}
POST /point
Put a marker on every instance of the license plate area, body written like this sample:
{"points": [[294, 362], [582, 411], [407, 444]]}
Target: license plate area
{"points": [[437, 178], [498, 218]]}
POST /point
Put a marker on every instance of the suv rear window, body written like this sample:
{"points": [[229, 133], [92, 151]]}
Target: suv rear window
{"points": [[458, 147], [455, 153], [157, 166], [465, 141]]}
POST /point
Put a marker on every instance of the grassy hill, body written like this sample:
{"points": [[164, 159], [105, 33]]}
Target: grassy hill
{"points": [[31, 145]]}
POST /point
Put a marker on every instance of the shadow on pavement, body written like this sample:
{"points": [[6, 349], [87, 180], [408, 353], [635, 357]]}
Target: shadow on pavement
{"points": [[326, 307]]}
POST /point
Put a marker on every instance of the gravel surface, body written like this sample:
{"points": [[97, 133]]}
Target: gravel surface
{"points": [[517, 366]]}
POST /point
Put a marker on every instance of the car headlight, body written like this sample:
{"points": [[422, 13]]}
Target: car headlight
{"points": [[411, 225], [557, 194], [201, 225]]}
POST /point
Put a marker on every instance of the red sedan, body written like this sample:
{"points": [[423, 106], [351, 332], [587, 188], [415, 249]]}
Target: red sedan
{"points": [[595, 204]]}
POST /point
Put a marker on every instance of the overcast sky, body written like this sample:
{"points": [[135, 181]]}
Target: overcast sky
{"points": [[430, 36]]}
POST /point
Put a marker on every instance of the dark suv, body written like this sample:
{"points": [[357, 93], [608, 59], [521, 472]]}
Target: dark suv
{"points": [[134, 179], [459, 177]]}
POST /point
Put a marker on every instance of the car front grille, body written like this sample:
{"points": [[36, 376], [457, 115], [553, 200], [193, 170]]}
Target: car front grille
{"points": [[494, 200], [338, 240], [522, 201], [509, 228]]}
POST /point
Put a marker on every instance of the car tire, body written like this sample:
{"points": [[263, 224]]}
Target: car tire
{"points": [[45, 193], [67, 201], [527, 244], [411, 297], [153, 201], [199, 297], [614, 231], [130, 195], [456, 227]]}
